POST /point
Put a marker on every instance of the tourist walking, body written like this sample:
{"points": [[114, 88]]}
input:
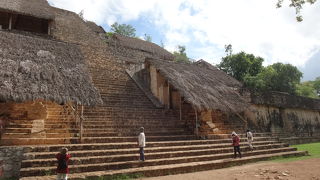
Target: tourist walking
{"points": [[63, 160], [249, 136], [236, 144], [141, 143]]}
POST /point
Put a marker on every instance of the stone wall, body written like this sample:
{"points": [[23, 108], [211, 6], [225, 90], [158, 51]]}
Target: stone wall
{"points": [[283, 113], [10, 161]]}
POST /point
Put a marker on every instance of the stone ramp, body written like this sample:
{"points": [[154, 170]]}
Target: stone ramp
{"points": [[162, 157]]}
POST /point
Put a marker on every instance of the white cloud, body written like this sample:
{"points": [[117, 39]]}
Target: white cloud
{"points": [[205, 26]]}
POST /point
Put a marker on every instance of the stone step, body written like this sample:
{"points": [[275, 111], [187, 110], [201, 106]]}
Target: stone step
{"points": [[126, 145], [134, 139], [224, 136], [132, 127], [37, 141], [46, 126], [105, 152], [129, 113], [28, 130], [122, 133], [132, 123], [161, 170], [154, 155], [44, 135], [121, 109], [131, 161]]}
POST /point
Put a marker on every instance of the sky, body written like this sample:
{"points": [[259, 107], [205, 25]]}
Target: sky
{"points": [[204, 27]]}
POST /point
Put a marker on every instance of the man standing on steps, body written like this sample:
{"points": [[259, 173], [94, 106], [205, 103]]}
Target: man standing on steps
{"points": [[141, 143], [236, 144], [249, 139]]}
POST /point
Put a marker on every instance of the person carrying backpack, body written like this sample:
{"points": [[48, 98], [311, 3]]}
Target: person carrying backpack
{"points": [[63, 160]]}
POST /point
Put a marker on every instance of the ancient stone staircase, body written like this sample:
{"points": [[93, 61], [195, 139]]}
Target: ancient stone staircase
{"points": [[58, 127], [110, 133], [162, 157]]}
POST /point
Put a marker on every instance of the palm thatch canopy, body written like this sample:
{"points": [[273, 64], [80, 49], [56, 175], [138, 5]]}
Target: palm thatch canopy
{"points": [[35, 8], [203, 85], [138, 44], [36, 68]]}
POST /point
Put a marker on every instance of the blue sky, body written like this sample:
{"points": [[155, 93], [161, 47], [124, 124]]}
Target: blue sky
{"points": [[206, 26]]}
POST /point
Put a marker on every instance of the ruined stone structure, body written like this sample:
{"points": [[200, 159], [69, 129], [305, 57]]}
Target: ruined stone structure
{"points": [[64, 84]]}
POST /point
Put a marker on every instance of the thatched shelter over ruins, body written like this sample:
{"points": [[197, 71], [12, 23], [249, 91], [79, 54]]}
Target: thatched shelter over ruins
{"points": [[35, 68], [32, 16], [204, 87], [35, 8]]}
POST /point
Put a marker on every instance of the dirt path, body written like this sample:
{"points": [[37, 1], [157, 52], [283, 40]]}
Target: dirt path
{"points": [[297, 170]]}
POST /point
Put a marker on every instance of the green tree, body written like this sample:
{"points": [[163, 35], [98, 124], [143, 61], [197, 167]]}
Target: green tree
{"points": [[316, 86], [147, 37], [123, 29], [241, 64], [306, 89], [228, 49], [181, 55], [297, 4], [276, 77], [286, 79]]}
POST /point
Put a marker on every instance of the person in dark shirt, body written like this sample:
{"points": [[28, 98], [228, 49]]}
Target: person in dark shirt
{"points": [[236, 144], [63, 160]]}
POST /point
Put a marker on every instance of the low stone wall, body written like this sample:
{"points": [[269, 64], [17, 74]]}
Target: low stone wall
{"points": [[10, 161], [283, 113], [300, 140]]}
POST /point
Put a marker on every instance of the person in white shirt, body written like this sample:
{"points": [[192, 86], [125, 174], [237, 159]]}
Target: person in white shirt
{"points": [[141, 143], [249, 136]]}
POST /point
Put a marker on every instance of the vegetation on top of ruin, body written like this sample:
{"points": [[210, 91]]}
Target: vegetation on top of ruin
{"points": [[123, 29], [180, 54]]}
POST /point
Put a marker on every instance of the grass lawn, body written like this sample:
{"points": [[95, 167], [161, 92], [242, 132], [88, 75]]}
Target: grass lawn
{"points": [[313, 149]]}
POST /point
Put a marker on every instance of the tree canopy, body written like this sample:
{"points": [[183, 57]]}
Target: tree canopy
{"points": [[276, 77], [306, 89], [316, 85], [123, 29], [298, 5], [241, 64], [248, 69], [181, 55]]}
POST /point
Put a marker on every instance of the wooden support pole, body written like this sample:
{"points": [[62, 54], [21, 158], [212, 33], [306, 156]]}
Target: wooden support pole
{"points": [[180, 107], [245, 121], [81, 124], [49, 27], [10, 21], [197, 131]]}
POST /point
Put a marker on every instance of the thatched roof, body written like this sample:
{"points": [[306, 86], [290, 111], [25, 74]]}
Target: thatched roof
{"points": [[138, 44], [205, 87], [69, 27], [36, 8], [35, 68], [95, 28]]}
